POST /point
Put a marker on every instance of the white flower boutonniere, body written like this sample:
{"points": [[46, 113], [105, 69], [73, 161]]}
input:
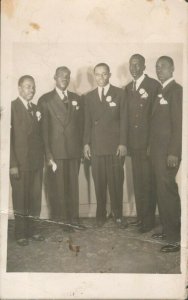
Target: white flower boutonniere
{"points": [[108, 98], [112, 104], [38, 115], [143, 93], [163, 101], [74, 103]]}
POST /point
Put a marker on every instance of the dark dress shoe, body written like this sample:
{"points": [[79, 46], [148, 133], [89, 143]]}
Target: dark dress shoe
{"points": [[100, 223], [22, 242], [121, 224], [159, 236], [170, 248], [145, 229], [135, 223], [38, 238], [68, 228]]}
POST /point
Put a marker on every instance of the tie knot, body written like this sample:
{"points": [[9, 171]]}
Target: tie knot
{"points": [[64, 96], [29, 106]]}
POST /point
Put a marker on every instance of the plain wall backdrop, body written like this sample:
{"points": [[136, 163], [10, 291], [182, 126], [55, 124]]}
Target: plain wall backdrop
{"points": [[41, 60]]}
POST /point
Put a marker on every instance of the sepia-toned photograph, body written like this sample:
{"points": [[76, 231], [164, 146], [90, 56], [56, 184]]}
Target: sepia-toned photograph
{"points": [[93, 149]]}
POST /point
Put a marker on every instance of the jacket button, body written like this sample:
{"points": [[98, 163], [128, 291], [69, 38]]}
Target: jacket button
{"points": [[135, 126], [96, 122]]}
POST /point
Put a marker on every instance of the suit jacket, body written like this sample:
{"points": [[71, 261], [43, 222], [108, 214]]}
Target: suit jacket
{"points": [[139, 112], [62, 128], [26, 146], [105, 125], [166, 123]]}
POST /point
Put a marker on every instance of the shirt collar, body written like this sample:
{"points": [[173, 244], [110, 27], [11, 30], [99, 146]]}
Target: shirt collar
{"points": [[25, 102], [139, 80], [106, 88], [60, 93], [164, 84]]}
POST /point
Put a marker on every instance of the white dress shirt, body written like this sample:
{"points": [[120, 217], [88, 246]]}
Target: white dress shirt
{"points": [[139, 81], [60, 93], [25, 102], [164, 84], [106, 88]]}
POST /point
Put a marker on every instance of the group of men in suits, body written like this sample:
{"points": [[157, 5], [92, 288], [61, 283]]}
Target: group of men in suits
{"points": [[143, 121]]}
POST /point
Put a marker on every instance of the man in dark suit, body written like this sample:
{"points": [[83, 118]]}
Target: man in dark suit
{"points": [[105, 139], [26, 162], [165, 151], [62, 129], [140, 95]]}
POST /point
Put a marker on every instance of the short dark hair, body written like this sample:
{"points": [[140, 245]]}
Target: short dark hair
{"points": [[167, 58], [63, 68], [139, 56], [102, 65], [24, 77]]}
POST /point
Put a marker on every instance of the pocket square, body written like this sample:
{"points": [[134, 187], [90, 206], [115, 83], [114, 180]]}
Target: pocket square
{"points": [[112, 104], [163, 101]]}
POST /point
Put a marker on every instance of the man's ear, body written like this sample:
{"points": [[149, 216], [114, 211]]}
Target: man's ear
{"points": [[110, 74], [19, 88], [55, 77]]}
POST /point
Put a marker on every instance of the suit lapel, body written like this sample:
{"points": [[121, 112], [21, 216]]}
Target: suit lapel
{"points": [[70, 107], [101, 107], [58, 108], [27, 118], [163, 92]]}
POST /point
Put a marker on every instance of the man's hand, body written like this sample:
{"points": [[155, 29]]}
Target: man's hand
{"points": [[87, 152], [53, 165], [14, 173], [172, 161], [121, 151]]}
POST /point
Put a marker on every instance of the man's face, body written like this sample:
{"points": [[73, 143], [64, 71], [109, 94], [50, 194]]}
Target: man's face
{"points": [[62, 79], [136, 67], [102, 76], [164, 70], [27, 89]]}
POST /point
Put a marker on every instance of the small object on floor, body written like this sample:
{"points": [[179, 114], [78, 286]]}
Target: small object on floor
{"points": [[145, 229], [22, 242], [74, 248], [171, 248], [121, 224], [135, 223], [68, 228], [38, 238], [159, 236]]}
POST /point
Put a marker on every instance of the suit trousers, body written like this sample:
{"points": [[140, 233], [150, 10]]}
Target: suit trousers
{"points": [[107, 171], [26, 196], [145, 203], [64, 190], [168, 200]]}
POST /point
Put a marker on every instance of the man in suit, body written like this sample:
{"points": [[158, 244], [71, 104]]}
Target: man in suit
{"points": [[165, 151], [140, 95], [26, 162], [105, 139], [62, 129]]}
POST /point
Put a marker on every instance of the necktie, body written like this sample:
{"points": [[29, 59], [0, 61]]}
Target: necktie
{"points": [[29, 108], [134, 86], [65, 99], [102, 95]]}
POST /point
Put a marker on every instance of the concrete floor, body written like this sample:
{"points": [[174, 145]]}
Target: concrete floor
{"points": [[102, 250]]}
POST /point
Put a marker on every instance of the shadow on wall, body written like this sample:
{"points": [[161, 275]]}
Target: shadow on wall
{"points": [[84, 80], [123, 74]]}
